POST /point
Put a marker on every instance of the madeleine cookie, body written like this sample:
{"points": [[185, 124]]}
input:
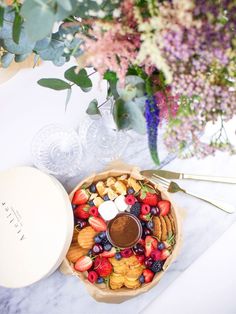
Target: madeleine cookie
{"points": [[168, 226], [163, 229], [75, 252], [86, 237], [157, 227], [172, 223], [75, 236]]}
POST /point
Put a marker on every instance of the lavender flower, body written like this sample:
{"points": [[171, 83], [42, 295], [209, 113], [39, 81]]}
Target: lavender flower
{"points": [[152, 118]]}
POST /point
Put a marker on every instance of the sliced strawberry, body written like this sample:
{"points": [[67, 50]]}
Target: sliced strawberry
{"points": [[97, 223], [141, 241], [140, 258], [156, 255], [82, 211], [92, 276], [80, 197], [145, 217], [164, 207], [102, 266], [130, 199], [109, 254], [150, 198], [150, 245], [93, 211], [164, 254], [145, 209], [148, 275], [83, 263]]}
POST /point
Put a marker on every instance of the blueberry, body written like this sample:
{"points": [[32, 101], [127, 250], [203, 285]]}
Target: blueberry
{"points": [[97, 239], [107, 247], [74, 206], [118, 256], [91, 203], [100, 280], [130, 191], [150, 225], [102, 235], [141, 279], [90, 253], [106, 198], [143, 223], [161, 246], [92, 188]]}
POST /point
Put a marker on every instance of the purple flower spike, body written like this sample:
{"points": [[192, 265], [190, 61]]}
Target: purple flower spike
{"points": [[152, 118]]}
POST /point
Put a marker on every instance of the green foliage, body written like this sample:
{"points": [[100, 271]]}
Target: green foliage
{"points": [[17, 28], [81, 78], [93, 108], [54, 83], [1, 16]]}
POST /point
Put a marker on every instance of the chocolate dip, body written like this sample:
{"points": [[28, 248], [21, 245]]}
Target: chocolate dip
{"points": [[124, 230]]}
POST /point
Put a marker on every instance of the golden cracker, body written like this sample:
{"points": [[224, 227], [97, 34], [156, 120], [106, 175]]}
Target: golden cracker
{"points": [[86, 237], [172, 223], [75, 252], [168, 226]]}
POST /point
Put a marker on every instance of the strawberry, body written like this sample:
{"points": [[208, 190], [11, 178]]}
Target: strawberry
{"points": [[130, 200], [80, 197], [164, 207], [156, 255], [92, 276], [97, 223], [164, 254], [150, 245], [109, 254], [140, 258], [150, 199], [82, 211], [141, 241], [145, 217], [145, 209], [83, 263], [148, 275], [93, 211], [102, 266]]}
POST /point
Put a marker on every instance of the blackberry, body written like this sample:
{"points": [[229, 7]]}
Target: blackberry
{"points": [[135, 209], [156, 266]]}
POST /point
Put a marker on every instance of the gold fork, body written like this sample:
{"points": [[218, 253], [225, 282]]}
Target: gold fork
{"points": [[173, 187]]}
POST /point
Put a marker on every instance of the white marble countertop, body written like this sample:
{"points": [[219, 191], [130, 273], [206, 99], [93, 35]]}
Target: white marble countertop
{"points": [[25, 108]]}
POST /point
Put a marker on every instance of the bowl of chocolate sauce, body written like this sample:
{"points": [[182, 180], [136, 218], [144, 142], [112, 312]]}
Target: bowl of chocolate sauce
{"points": [[124, 231]]}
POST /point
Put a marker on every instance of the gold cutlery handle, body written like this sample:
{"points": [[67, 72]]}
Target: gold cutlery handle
{"points": [[209, 178], [220, 204]]}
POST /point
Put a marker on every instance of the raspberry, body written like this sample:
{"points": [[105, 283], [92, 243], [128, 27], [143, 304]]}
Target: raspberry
{"points": [[130, 199]]}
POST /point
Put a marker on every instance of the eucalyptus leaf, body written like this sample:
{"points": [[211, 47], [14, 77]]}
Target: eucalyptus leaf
{"points": [[24, 45], [68, 96], [42, 44], [66, 4], [93, 108], [7, 59], [21, 58], [39, 19], [54, 83], [120, 115], [16, 28], [1, 16], [81, 79]]}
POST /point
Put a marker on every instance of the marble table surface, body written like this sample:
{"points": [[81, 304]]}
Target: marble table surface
{"points": [[25, 108]]}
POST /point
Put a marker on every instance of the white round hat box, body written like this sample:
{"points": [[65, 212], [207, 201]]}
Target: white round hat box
{"points": [[36, 226]]}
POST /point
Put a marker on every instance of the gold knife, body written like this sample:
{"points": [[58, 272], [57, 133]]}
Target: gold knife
{"points": [[176, 175]]}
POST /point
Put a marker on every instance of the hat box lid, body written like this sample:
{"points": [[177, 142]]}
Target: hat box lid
{"points": [[36, 226]]}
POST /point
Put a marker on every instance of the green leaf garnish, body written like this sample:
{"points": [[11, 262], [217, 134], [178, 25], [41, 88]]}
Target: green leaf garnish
{"points": [[54, 83]]}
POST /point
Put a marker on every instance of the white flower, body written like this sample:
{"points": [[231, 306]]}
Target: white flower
{"points": [[116, 13], [134, 87]]}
